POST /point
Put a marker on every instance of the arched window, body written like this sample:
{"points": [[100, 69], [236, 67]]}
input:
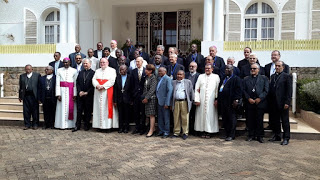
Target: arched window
{"points": [[259, 22], [52, 28]]}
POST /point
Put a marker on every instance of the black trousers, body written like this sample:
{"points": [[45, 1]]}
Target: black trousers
{"points": [[254, 120], [30, 107], [85, 107], [229, 120], [49, 112], [192, 118], [278, 117], [139, 113], [124, 114]]}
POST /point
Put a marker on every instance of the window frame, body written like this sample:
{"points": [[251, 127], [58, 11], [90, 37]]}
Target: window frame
{"points": [[55, 23]]}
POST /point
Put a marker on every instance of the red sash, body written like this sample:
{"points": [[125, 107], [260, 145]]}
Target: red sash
{"points": [[110, 97], [69, 85]]}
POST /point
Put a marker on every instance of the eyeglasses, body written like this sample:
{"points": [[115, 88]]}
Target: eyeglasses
{"points": [[192, 66], [78, 58], [55, 55], [65, 62], [254, 68]]}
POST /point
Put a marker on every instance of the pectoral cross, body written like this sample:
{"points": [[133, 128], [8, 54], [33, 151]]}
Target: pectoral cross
{"points": [[122, 90], [48, 87]]}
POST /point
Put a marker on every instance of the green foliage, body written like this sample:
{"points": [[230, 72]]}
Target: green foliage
{"points": [[308, 97], [197, 42]]}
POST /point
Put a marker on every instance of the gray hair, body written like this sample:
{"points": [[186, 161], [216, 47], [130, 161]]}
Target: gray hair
{"points": [[161, 46], [50, 67], [231, 57], [181, 71], [174, 55], [256, 64], [163, 68], [86, 59]]}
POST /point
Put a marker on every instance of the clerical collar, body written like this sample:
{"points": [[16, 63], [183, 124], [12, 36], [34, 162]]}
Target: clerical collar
{"points": [[158, 66], [49, 76], [278, 73], [29, 75], [87, 69], [179, 81], [193, 73], [254, 76]]}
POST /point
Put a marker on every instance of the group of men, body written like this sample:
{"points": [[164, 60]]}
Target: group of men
{"points": [[107, 86]]}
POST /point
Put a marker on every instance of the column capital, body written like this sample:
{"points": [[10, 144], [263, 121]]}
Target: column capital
{"points": [[68, 1]]}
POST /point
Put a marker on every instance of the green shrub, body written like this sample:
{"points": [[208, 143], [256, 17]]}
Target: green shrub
{"points": [[308, 97]]}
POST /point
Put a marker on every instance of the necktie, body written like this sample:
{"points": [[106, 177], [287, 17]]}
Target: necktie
{"points": [[139, 75]]}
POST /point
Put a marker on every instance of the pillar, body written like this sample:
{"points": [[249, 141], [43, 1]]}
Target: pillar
{"points": [[63, 23], [207, 20], [71, 22], [218, 21]]}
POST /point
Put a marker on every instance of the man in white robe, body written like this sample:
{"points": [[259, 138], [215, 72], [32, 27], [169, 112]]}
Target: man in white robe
{"points": [[66, 92], [206, 92], [104, 113]]}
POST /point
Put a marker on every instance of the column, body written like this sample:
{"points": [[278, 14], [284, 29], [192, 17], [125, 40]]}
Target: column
{"points": [[96, 31], [207, 20], [218, 21], [71, 22], [63, 23]]}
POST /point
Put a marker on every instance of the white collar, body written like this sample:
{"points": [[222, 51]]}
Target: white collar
{"points": [[49, 76], [29, 75]]}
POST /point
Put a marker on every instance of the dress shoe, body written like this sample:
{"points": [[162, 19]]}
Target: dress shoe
{"points": [[125, 131], [249, 139], [135, 131], [260, 139], [86, 129], [75, 129], [160, 134], [35, 128], [285, 142], [275, 138], [149, 135], [184, 136], [229, 139], [174, 136], [142, 132], [44, 127], [165, 136], [120, 131], [26, 128]]}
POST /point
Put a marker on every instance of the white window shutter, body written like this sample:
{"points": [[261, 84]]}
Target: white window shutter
{"points": [[30, 27]]}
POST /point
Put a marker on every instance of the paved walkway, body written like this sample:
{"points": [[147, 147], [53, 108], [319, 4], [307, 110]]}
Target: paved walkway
{"points": [[61, 154]]}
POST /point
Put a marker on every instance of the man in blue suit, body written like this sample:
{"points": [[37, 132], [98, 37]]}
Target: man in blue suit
{"points": [[57, 63], [47, 96], [72, 56], [164, 93]]}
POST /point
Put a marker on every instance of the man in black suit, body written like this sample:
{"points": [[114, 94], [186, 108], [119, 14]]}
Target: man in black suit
{"points": [[99, 52], [129, 49], [138, 79], [139, 46], [230, 61], [157, 64], [47, 96], [246, 52], [196, 57], [255, 90], [192, 75], [79, 66], [72, 56], [28, 94], [246, 70], [280, 95], [122, 98], [85, 92], [174, 50], [174, 67], [112, 60], [230, 93], [160, 50], [57, 63], [210, 60], [217, 61], [270, 68]]}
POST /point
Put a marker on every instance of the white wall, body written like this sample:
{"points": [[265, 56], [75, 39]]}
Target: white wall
{"points": [[292, 58]]}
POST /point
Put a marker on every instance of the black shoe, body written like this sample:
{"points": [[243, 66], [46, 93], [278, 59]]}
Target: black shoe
{"points": [[26, 128], [125, 131], [120, 131], [229, 139], [249, 139], [86, 129], [44, 127], [160, 134], [150, 135], [174, 136], [260, 139], [223, 137], [135, 131], [285, 142], [275, 138], [184, 136], [142, 132], [35, 127], [165, 136], [75, 129]]}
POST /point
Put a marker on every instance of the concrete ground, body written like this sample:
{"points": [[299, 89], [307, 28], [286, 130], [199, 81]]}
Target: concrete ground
{"points": [[61, 154]]}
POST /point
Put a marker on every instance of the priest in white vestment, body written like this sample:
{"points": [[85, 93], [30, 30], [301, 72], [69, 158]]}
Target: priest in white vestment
{"points": [[66, 92], [105, 115], [113, 48], [206, 93]]}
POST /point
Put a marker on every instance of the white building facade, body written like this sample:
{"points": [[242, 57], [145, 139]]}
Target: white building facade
{"points": [[170, 23]]}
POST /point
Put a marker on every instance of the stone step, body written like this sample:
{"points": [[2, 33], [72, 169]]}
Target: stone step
{"points": [[14, 106], [14, 114], [9, 100]]}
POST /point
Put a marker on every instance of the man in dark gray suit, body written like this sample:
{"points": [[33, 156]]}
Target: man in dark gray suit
{"points": [[28, 94], [183, 96], [164, 93], [72, 56], [255, 90]]}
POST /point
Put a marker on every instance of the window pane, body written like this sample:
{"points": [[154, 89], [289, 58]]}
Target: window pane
{"points": [[253, 33], [271, 22], [253, 9], [254, 23], [58, 34], [266, 8], [247, 23], [247, 34], [50, 17], [264, 33], [58, 15], [264, 22], [271, 33]]}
